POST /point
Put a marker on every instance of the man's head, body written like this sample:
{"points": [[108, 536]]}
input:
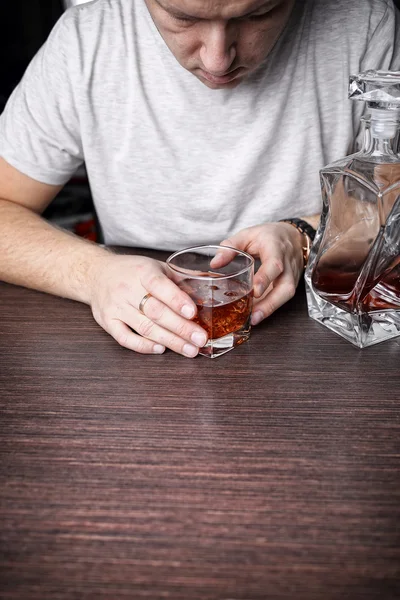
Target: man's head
{"points": [[220, 41]]}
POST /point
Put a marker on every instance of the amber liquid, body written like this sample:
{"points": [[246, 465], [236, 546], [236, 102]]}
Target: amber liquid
{"points": [[222, 308], [337, 286]]}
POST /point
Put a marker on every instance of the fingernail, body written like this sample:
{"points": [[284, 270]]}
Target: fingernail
{"points": [[158, 349], [190, 351], [199, 339], [256, 317], [187, 311]]}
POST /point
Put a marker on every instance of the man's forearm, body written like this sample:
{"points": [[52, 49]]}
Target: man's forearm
{"points": [[35, 254]]}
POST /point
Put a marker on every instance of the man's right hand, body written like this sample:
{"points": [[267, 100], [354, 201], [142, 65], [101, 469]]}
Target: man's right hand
{"points": [[118, 284], [35, 254]]}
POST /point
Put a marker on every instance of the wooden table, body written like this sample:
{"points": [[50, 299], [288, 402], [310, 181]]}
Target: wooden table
{"points": [[269, 473]]}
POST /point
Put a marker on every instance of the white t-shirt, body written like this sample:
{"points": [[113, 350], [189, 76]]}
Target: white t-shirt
{"points": [[172, 163]]}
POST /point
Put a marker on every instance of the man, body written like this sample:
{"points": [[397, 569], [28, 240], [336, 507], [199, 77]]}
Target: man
{"points": [[199, 121]]}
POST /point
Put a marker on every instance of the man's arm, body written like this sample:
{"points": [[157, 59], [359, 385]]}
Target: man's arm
{"points": [[34, 253]]}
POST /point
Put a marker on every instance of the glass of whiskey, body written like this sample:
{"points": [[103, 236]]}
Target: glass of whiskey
{"points": [[220, 281]]}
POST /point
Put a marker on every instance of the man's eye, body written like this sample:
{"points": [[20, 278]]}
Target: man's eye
{"points": [[184, 19], [259, 17]]}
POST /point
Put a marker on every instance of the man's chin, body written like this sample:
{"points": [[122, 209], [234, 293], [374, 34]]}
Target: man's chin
{"points": [[220, 86], [228, 81]]}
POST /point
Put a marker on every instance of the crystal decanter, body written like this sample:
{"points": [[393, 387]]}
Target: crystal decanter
{"points": [[353, 273]]}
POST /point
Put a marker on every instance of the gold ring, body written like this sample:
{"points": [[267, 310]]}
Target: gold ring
{"points": [[143, 302]]}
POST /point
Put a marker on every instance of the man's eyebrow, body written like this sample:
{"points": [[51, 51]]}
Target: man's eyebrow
{"points": [[170, 10], [265, 6], [178, 13]]}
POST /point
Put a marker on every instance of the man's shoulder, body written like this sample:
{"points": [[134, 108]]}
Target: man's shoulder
{"points": [[95, 29], [105, 13], [352, 21], [105, 6], [95, 33], [353, 9]]}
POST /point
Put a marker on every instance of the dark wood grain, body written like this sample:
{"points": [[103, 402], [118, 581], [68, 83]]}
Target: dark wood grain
{"points": [[269, 473]]}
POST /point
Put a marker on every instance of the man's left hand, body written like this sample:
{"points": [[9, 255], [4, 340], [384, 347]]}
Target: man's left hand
{"points": [[279, 247]]}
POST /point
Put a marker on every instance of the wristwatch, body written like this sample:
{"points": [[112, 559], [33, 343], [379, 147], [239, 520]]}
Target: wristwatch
{"points": [[308, 233]]}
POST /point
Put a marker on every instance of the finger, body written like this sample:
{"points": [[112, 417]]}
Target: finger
{"points": [[224, 257], [151, 331], [161, 287], [128, 339], [239, 241], [160, 313], [283, 290], [271, 268]]}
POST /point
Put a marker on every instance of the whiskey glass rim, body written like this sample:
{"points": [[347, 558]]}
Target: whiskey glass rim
{"points": [[182, 271]]}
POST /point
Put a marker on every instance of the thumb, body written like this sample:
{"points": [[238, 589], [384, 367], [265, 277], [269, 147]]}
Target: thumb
{"points": [[224, 257]]}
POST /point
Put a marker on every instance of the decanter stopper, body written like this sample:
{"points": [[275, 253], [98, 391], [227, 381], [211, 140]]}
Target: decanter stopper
{"points": [[381, 91]]}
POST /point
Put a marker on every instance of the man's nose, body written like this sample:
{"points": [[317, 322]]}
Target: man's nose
{"points": [[218, 50]]}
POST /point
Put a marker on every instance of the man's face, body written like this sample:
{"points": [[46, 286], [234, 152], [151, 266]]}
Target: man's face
{"points": [[220, 41]]}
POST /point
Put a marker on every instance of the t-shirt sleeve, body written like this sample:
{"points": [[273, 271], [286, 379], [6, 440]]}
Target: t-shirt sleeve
{"points": [[39, 127], [383, 49]]}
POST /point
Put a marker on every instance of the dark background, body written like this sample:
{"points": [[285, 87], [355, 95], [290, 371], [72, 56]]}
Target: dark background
{"points": [[25, 25]]}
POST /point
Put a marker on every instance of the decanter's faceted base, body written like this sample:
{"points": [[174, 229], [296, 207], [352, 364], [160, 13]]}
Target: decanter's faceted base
{"points": [[362, 330]]}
